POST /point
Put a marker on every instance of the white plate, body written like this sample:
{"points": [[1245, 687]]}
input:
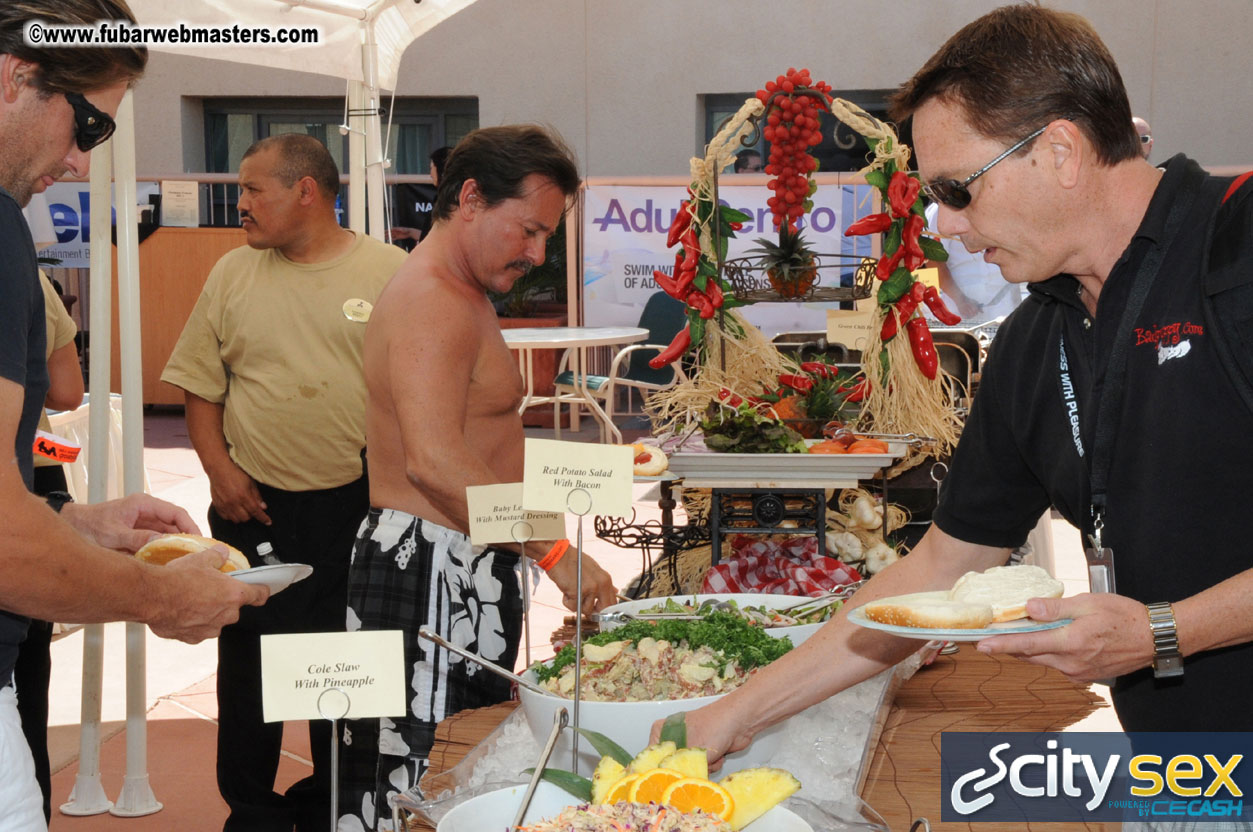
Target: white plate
{"points": [[1024, 625], [783, 468], [277, 576]]}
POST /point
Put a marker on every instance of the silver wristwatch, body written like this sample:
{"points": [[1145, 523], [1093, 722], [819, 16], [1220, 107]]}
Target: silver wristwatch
{"points": [[1167, 660]]}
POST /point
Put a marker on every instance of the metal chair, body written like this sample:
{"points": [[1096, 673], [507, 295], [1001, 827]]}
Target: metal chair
{"points": [[663, 317]]}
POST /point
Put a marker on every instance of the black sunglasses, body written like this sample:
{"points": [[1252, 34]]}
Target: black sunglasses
{"points": [[956, 195], [91, 125]]}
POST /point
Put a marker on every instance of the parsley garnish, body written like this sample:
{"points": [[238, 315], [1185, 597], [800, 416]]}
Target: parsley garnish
{"points": [[738, 640]]}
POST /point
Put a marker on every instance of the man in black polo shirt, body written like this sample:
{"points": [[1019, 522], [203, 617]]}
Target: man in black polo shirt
{"points": [[55, 105], [1109, 395]]}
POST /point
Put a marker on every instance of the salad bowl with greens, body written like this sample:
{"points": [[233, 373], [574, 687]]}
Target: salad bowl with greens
{"points": [[758, 609]]}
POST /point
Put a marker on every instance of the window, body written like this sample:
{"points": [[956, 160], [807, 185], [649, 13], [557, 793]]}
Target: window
{"points": [[418, 127], [842, 148]]}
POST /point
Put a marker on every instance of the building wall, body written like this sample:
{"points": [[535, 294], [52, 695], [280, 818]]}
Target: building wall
{"points": [[622, 81]]}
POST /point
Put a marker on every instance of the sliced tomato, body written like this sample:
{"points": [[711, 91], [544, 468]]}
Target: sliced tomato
{"points": [[827, 447], [868, 446]]}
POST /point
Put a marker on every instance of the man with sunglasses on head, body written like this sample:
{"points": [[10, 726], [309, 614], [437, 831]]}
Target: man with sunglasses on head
{"points": [[1111, 394], [55, 105]]}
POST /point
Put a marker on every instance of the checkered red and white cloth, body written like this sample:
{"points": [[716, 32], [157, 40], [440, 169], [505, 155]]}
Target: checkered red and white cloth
{"points": [[779, 567]]}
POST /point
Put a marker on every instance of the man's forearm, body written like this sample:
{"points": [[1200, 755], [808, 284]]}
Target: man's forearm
{"points": [[841, 654], [204, 428], [53, 573]]}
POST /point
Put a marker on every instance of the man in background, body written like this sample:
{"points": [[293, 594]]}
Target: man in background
{"points": [[270, 362], [1146, 135], [442, 414], [748, 161], [408, 236]]}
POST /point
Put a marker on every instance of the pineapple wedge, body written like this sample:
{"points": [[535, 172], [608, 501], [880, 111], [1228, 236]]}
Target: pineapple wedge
{"points": [[608, 772], [756, 791], [651, 757], [690, 762]]}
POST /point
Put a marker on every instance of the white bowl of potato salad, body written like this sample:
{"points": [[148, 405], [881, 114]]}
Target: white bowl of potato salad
{"points": [[642, 672]]}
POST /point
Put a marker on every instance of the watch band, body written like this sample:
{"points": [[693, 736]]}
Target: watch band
{"points": [[1167, 660]]}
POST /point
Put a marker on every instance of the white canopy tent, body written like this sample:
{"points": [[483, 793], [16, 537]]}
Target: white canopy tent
{"points": [[358, 40]]}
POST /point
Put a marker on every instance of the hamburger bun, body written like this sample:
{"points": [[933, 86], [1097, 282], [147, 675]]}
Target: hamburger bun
{"points": [[932, 610], [975, 601], [1006, 589], [161, 550]]}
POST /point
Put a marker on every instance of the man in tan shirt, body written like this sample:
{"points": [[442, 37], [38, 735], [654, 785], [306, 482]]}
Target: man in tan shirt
{"points": [[270, 361], [442, 414]]}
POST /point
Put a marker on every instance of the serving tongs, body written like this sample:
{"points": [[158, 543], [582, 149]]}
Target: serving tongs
{"points": [[560, 719], [913, 440], [430, 635], [624, 617], [818, 602]]}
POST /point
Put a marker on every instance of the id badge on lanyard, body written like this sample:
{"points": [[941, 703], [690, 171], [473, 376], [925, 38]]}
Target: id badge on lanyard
{"points": [[1099, 557]]}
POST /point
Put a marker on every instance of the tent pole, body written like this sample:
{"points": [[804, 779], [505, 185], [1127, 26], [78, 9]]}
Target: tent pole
{"points": [[136, 797], [373, 135], [357, 101], [88, 797]]}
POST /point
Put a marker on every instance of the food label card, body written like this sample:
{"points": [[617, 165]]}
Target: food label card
{"points": [[852, 327], [496, 512], [577, 477], [928, 277], [333, 675]]}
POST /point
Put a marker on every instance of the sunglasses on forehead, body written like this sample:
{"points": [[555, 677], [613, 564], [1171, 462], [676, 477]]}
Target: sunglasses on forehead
{"points": [[92, 126], [955, 194]]}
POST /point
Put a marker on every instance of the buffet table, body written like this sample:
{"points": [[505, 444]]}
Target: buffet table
{"points": [[966, 691]]}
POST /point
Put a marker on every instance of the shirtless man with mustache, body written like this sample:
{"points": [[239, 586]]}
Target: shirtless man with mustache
{"points": [[441, 415]]}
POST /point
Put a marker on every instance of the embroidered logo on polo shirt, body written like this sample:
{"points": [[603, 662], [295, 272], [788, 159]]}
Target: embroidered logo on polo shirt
{"points": [[1170, 340], [1179, 350]]}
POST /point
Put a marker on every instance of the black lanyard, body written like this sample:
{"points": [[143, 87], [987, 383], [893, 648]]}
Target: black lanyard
{"points": [[1109, 403], [1070, 399]]}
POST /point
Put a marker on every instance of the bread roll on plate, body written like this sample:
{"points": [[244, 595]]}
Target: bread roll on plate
{"points": [[162, 550], [1007, 589], [932, 610]]}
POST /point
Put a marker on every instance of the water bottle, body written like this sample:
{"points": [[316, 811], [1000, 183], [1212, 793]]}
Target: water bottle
{"points": [[265, 551]]}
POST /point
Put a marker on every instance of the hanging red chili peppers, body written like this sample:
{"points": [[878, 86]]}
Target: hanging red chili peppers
{"points": [[923, 347], [936, 304]]}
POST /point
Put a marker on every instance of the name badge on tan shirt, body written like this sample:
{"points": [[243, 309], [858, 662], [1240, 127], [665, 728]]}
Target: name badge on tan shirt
{"points": [[358, 310]]}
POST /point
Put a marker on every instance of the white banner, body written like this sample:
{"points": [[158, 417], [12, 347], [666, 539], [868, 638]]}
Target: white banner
{"points": [[60, 221], [624, 240]]}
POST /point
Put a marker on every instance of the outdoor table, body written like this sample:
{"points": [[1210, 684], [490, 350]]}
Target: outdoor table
{"points": [[577, 340], [965, 691]]}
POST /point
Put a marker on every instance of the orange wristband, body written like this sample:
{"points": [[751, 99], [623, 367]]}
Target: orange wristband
{"points": [[556, 553]]}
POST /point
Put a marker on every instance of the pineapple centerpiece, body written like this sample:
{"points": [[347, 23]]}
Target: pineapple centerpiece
{"points": [[789, 264]]}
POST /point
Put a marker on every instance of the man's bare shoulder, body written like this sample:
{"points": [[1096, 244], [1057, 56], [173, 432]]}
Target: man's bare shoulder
{"points": [[421, 297]]}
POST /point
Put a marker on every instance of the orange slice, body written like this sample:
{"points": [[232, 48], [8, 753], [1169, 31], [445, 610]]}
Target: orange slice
{"points": [[622, 789], [693, 793], [652, 785]]}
